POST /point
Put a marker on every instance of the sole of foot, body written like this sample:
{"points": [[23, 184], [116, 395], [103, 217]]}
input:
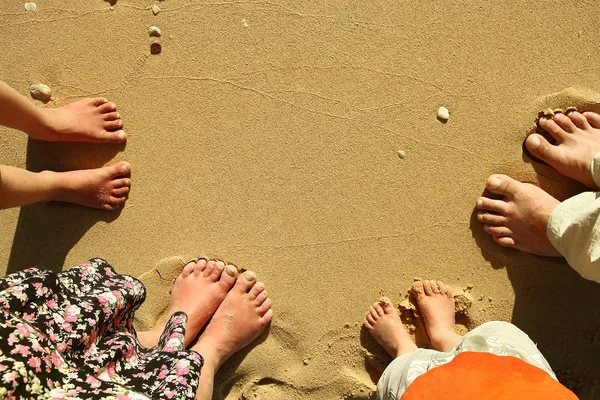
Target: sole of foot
{"points": [[436, 305], [104, 188], [89, 120], [241, 318], [384, 324], [519, 218], [577, 141]]}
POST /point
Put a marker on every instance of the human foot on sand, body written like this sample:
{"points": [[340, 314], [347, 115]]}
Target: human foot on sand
{"points": [[104, 188], [198, 291], [384, 324], [89, 120], [577, 138], [436, 304], [519, 218]]}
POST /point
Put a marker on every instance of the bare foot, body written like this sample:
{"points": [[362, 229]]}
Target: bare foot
{"points": [[577, 138], [105, 188], [385, 325], [198, 291], [437, 308], [89, 120], [239, 320], [519, 219]]}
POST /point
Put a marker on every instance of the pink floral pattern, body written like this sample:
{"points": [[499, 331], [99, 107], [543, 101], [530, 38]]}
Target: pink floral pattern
{"points": [[70, 335]]}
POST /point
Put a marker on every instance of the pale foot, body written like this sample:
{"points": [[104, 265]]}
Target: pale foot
{"points": [[89, 120], [437, 308], [384, 324], [198, 291], [239, 320], [519, 219], [104, 188], [577, 138]]}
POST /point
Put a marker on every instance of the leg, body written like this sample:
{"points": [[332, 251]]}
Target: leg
{"points": [[239, 320], [437, 307], [577, 138], [519, 219], [384, 324], [198, 291], [104, 188], [89, 120]]}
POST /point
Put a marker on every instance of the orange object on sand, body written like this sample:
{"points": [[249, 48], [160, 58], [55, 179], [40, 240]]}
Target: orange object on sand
{"points": [[485, 376]]}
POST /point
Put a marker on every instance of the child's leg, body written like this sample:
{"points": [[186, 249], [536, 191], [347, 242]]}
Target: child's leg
{"points": [[105, 188], [89, 120]]}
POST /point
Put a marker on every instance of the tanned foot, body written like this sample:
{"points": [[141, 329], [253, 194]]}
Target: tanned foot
{"points": [[239, 320], [385, 325], [436, 304], [89, 120], [198, 291], [577, 139], [519, 218], [104, 188]]}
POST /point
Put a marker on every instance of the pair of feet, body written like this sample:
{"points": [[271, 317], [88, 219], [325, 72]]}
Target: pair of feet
{"points": [[436, 305], [233, 309], [94, 121], [518, 216]]}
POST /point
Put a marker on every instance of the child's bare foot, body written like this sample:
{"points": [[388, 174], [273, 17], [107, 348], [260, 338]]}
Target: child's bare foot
{"points": [[89, 120], [519, 219], [105, 188], [385, 325], [577, 138], [239, 320], [198, 291], [437, 308]]}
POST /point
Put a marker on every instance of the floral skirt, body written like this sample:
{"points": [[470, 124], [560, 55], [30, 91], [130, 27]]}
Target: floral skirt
{"points": [[70, 335]]}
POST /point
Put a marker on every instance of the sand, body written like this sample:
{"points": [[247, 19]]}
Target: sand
{"points": [[267, 133]]}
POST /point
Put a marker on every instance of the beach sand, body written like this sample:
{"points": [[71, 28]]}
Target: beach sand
{"points": [[267, 133]]}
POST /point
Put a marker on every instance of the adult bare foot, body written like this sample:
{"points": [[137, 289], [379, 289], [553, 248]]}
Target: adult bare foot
{"points": [[518, 219], [89, 120], [239, 320], [577, 138], [198, 291], [437, 308], [384, 324], [104, 188]]}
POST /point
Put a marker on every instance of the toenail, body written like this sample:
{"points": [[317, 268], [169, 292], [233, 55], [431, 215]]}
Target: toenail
{"points": [[220, 264], [125, 168], [495, 183], [118, 116], [534, 142], [121, 135], [230, 270], [249, 277], [479, 202]]}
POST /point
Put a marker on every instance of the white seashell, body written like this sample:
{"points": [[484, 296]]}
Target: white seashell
{"points": [[40, 92], [244, 23], [401, 154], [31, 7], [155, 9], [443, 114], [155, 31]]}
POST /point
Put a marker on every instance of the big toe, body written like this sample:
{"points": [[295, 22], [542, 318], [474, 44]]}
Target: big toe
{"points": [[540, 148], [502, 184], [245, 282]]}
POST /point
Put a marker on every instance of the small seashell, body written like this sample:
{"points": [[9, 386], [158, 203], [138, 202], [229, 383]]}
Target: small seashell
{"points": [[31, 7], [155, 48], [154, 31], [443, 114], [155, 9], [244, 23], [40, 92], [401, 154]]}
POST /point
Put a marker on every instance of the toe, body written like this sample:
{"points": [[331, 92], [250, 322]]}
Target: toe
{"points": [[593, 119], [123, 182], [378, 309], [434, 287], [122, 169], [370, 320], [373, 313], [442, 286], [367, 324], [539, 147], [387, 308], [200, 267], [504, 241], [417, 288], [486, 217], [120, 192], [497, 230], [265, 319], [564, 122], [262, 296], [579, 120], [113, 125], [428, 290], [502, 184], [245, 282], [114, 203], [229, 276], [188, 269], [550, 126], [217, 271], [210, 267], [98, 101], [256, 290], [107, 108], [264, 307], [112, 116], [497, 206]]}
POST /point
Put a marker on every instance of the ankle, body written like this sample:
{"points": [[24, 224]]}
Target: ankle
{"points": [[52, 184]]}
